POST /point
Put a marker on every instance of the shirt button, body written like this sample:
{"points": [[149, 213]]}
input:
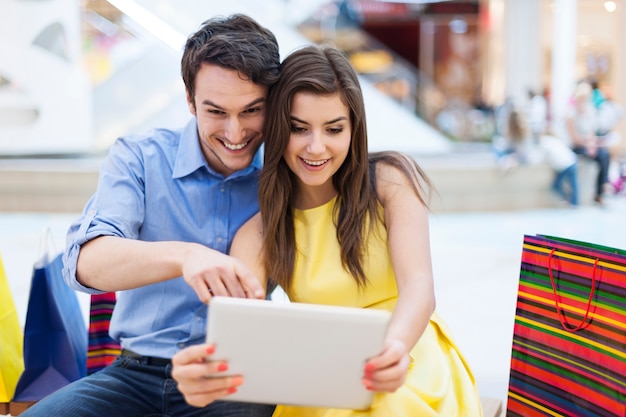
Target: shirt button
{"points": [[220, 240], [222, 189], [181, 345]]}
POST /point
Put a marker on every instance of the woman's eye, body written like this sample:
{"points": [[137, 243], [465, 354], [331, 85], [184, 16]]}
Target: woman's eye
{"points": [[335, 130], [297, 129]]}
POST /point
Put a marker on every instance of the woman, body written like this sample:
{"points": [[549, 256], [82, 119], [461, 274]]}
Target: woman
{"points": [[524, 149], [339, 227], [582, 123]]}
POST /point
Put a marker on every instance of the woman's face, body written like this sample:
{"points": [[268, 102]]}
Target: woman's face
{"points": [[319, 141]]}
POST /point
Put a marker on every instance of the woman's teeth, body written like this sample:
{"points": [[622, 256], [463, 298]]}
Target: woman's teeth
{"points": [[315, 163]]}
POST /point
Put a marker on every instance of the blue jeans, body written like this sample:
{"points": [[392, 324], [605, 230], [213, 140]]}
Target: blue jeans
{"points": [[602, 159], [131, 388], [568, 175]]}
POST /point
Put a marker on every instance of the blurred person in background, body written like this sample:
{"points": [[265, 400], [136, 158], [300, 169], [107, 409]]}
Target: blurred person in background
{"points": [[537, 114], [520, 147], [582, 126]]}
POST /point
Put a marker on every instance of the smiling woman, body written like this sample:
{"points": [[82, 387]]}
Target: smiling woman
{"points": [[340, 226]]}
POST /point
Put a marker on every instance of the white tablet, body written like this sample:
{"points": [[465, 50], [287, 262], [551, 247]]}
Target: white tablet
{"points": [[295, 353]]}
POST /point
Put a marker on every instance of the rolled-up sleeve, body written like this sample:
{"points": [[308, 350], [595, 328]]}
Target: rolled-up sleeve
{"points": [[116, 209]]}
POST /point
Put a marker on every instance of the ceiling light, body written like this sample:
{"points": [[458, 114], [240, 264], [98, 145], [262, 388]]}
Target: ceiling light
{"points": [[610, 6]]}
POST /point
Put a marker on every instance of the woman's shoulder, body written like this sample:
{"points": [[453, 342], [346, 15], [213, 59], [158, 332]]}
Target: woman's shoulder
{"points": [[249, 238], [398, 172], [250, 233], [254, 225]]}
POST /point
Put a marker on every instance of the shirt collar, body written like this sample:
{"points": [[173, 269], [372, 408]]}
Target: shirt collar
{"points": [[190, 158]]}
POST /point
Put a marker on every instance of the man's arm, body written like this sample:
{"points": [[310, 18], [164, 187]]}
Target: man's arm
{"points": [[111, 263]]}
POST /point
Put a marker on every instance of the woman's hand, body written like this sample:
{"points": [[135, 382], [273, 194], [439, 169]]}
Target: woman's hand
{"points": [[199, 379], [387, 371]]}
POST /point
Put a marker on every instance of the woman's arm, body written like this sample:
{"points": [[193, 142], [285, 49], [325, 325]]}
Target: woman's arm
{"points": [[406, 219], [247, 247]]}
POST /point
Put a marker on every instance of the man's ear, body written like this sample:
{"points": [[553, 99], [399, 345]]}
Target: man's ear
{"points": [[190, 103]]}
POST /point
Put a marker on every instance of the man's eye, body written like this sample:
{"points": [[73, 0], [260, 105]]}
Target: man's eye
{"points": [[253, 110], [215, 112]]}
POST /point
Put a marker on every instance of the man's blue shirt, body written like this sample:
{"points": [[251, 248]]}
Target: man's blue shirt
{"points": [[159, 187]]}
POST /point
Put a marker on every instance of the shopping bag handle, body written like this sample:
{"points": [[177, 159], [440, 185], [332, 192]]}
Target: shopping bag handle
{"points": [[583, 323], [47, 248]]}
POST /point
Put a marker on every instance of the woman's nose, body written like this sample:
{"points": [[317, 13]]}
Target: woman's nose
{"points": [[316, 144]]}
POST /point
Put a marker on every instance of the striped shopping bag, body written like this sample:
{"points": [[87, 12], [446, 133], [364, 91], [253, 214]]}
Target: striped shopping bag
{"points": [[101, 349], [569, 340]]}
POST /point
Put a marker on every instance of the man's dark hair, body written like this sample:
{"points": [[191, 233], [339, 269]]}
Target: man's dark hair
{"points": [[235, 42]]}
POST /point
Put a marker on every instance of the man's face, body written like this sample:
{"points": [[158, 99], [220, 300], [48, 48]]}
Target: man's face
{"points": [[230, 113]]}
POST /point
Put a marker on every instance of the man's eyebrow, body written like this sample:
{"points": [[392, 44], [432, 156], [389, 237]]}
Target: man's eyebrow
{"points": [[217, 106]]}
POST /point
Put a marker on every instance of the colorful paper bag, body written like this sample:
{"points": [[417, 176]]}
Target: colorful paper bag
{"points": [[102, 349], [569, 340], [55, 335], [11, 358]]}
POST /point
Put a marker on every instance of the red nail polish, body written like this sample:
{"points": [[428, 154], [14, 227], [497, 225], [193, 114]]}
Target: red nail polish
{"points": [[370, 367], [210, 350], [232, 390], [222, 367]]}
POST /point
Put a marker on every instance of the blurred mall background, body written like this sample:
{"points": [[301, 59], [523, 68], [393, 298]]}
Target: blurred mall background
{"points": [[75, 75]]}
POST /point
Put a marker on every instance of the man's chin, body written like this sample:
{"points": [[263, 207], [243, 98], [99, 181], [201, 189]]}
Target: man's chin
{"points": [[238, 163]]}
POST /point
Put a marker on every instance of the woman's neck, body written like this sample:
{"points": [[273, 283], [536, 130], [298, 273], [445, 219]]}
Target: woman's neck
{"points": [[308, 197]]}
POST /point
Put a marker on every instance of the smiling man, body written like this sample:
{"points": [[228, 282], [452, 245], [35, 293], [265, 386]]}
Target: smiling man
{"points": [[161, 222]]}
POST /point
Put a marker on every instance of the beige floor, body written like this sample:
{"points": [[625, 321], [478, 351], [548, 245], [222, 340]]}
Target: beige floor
{"points": [[475, 259]]}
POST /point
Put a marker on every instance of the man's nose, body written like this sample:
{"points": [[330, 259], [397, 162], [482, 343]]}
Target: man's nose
{"points": [[233, 130]]}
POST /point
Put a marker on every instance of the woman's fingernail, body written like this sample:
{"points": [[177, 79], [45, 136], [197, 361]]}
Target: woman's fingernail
{"points": [[369, 367], [367, 383], [210, 350], [232, 390], [222, 367]]}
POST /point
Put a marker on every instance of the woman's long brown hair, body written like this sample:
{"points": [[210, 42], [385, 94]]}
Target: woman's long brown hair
{"points": [[321, 70]]}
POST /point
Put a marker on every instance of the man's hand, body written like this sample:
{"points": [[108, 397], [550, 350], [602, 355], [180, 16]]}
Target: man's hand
{"points": [[199, 378], [211, 273]]}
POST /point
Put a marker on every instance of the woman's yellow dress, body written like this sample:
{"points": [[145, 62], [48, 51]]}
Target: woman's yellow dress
{"points": [[439, 383]]}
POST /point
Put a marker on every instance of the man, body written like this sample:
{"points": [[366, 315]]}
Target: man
{"points": [[537, 115], [157, 229]]}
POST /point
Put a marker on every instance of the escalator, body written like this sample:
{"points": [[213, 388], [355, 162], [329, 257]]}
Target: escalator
{"points": [[150, 18]]}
